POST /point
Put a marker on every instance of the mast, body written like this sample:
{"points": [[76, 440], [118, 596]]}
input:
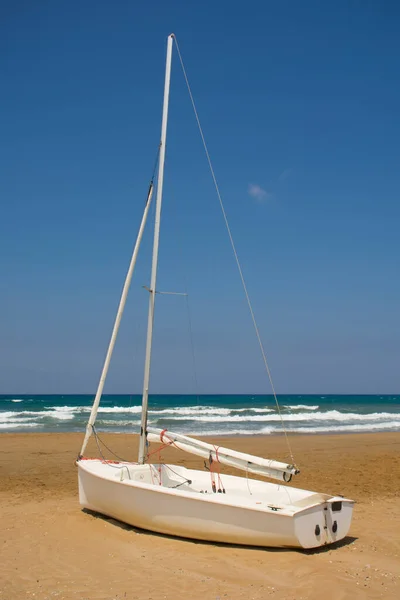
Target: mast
{"points": [[152, 291], [124, 295]]}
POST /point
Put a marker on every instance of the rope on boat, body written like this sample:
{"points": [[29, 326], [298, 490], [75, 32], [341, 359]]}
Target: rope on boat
{"points": [[234, 250], [217, 470], [97, 438], [165, 444]]}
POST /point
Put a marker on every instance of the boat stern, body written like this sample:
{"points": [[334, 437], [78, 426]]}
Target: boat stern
{"points": [[324, 523]]}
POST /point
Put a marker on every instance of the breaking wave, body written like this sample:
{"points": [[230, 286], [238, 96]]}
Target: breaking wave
{"points": [[300, 407], [218, 415]]}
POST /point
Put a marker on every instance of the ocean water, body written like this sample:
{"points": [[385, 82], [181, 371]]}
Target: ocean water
{"points": [[203, 415]]}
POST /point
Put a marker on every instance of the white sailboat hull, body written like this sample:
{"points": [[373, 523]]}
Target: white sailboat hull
{"points": [[251, 512]]}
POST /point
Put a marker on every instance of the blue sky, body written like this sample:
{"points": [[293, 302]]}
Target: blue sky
{"points": [[300, 107]]}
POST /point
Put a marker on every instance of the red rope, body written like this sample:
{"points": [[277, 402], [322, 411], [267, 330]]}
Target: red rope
{"points": [[160, 449], [217, 471]]}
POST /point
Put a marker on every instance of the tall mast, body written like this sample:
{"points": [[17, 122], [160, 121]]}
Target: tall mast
{"points": [[152, 294]]}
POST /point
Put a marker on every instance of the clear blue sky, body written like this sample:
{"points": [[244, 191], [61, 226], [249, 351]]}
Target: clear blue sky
{"points": [[300, 106]]}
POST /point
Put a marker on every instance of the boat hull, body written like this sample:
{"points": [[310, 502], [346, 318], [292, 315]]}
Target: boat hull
{"points": [[250, 512]]}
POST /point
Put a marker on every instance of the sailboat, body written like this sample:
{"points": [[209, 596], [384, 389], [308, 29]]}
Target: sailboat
{"points": [[188, 503]]}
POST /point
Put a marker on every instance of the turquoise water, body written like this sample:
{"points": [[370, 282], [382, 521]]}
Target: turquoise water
{"points": [[210, 414]]}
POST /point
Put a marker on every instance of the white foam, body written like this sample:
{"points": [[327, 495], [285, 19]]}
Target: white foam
{"points": [[186, 411], [102, 409], [207, 420], [14, 425], [28, 413], [224, 419], [121, 409], [55, 414], [24, 415], [208, 432], [257, 410], [11, 417], [4, 416], [301, 406], [273, 429], [331, 415], [64, 409], [359, 427], [119, 424]]}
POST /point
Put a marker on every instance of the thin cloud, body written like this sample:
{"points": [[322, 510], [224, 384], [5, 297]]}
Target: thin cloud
{"points": [[285, 174], [257, 192]]}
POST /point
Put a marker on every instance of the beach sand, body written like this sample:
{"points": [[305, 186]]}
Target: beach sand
{"points": [[50, 548]]}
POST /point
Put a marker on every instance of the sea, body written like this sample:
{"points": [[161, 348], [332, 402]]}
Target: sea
{"points": [[204, 415]]}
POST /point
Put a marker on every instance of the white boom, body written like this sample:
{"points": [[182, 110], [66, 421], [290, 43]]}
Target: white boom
{"points": [[239, 460]]}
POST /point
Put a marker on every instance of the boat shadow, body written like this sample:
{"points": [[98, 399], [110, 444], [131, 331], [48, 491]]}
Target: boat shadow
{"points": [[347, 541]]}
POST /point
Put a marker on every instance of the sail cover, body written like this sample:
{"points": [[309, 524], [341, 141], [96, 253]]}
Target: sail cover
{"points": [[239, 460]]}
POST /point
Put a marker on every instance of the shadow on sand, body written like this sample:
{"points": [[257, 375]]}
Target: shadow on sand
{"points": [[345, 542]]}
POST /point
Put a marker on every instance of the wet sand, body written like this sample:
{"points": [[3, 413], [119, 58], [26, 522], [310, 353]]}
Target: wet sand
{"points": [[50, 548]]}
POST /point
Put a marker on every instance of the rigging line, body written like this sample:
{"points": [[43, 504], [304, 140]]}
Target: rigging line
{"points": [[196, 382], [106, 447], [105, 459], [156, 162], [234, 249], [181, 246], [185, 479]]}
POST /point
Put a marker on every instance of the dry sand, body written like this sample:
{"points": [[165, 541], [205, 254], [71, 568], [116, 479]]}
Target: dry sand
{"points": [[50, 548]]}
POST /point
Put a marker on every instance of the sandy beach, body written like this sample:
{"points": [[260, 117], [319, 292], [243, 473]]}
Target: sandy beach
{"points": [[50, 548]]}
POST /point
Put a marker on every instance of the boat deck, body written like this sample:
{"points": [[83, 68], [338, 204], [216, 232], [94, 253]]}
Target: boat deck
{"points": [[234, 491]]}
